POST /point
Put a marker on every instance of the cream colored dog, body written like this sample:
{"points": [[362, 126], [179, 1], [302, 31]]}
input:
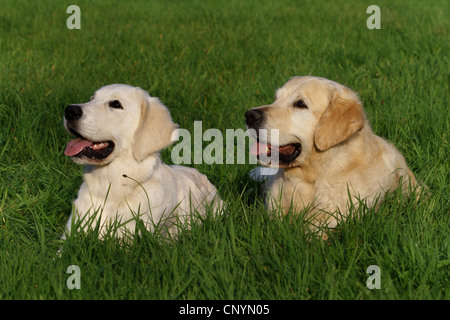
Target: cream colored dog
{"points": [[119, 134], [326, 150]]}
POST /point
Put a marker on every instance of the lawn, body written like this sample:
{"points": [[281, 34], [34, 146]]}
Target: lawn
{"points": [[211, 61]]}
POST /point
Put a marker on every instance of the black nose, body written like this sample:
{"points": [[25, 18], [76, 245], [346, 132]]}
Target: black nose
{"points": [[73, 112], [253, 117]]}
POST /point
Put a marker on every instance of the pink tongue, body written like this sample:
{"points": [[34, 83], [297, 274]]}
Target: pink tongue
{"points": [[287, 150], [258, 148], [75, 146]]}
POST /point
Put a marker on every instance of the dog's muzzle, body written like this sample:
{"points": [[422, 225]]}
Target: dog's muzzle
{"points": [[82, 147]]}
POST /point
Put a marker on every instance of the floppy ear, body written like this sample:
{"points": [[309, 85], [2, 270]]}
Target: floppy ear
{"points": [[343, 117], [155, 129]]}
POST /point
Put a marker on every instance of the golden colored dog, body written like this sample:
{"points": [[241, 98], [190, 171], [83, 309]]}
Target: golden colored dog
{"points": [[326, 150]]}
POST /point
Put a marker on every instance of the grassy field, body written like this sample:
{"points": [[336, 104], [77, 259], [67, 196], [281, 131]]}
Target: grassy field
{"points": [[212, 61]]}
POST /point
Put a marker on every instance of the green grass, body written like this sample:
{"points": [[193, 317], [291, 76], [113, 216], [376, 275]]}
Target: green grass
{"points": [[211, 61]]}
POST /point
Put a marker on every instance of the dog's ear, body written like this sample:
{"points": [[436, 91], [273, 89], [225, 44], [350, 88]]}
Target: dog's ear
{"points": [[155, 129], [343, 117]]}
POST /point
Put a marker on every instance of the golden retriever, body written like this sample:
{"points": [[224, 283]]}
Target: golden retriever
{"points": [[119, 135], [326, 151]]}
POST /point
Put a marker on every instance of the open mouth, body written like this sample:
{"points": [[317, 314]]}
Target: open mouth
{"points": [[283, 155], [82, 147]]}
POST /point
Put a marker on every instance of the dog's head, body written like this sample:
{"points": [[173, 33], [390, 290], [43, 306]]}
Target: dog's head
{"points": [[120, 120], [309, 114]]}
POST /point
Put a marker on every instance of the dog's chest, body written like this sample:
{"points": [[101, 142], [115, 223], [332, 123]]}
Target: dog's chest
{"points": [[292, 192]]}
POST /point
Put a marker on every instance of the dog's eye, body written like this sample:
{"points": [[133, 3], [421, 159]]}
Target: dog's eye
{"points": [[300, 104], [115, 104]]}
